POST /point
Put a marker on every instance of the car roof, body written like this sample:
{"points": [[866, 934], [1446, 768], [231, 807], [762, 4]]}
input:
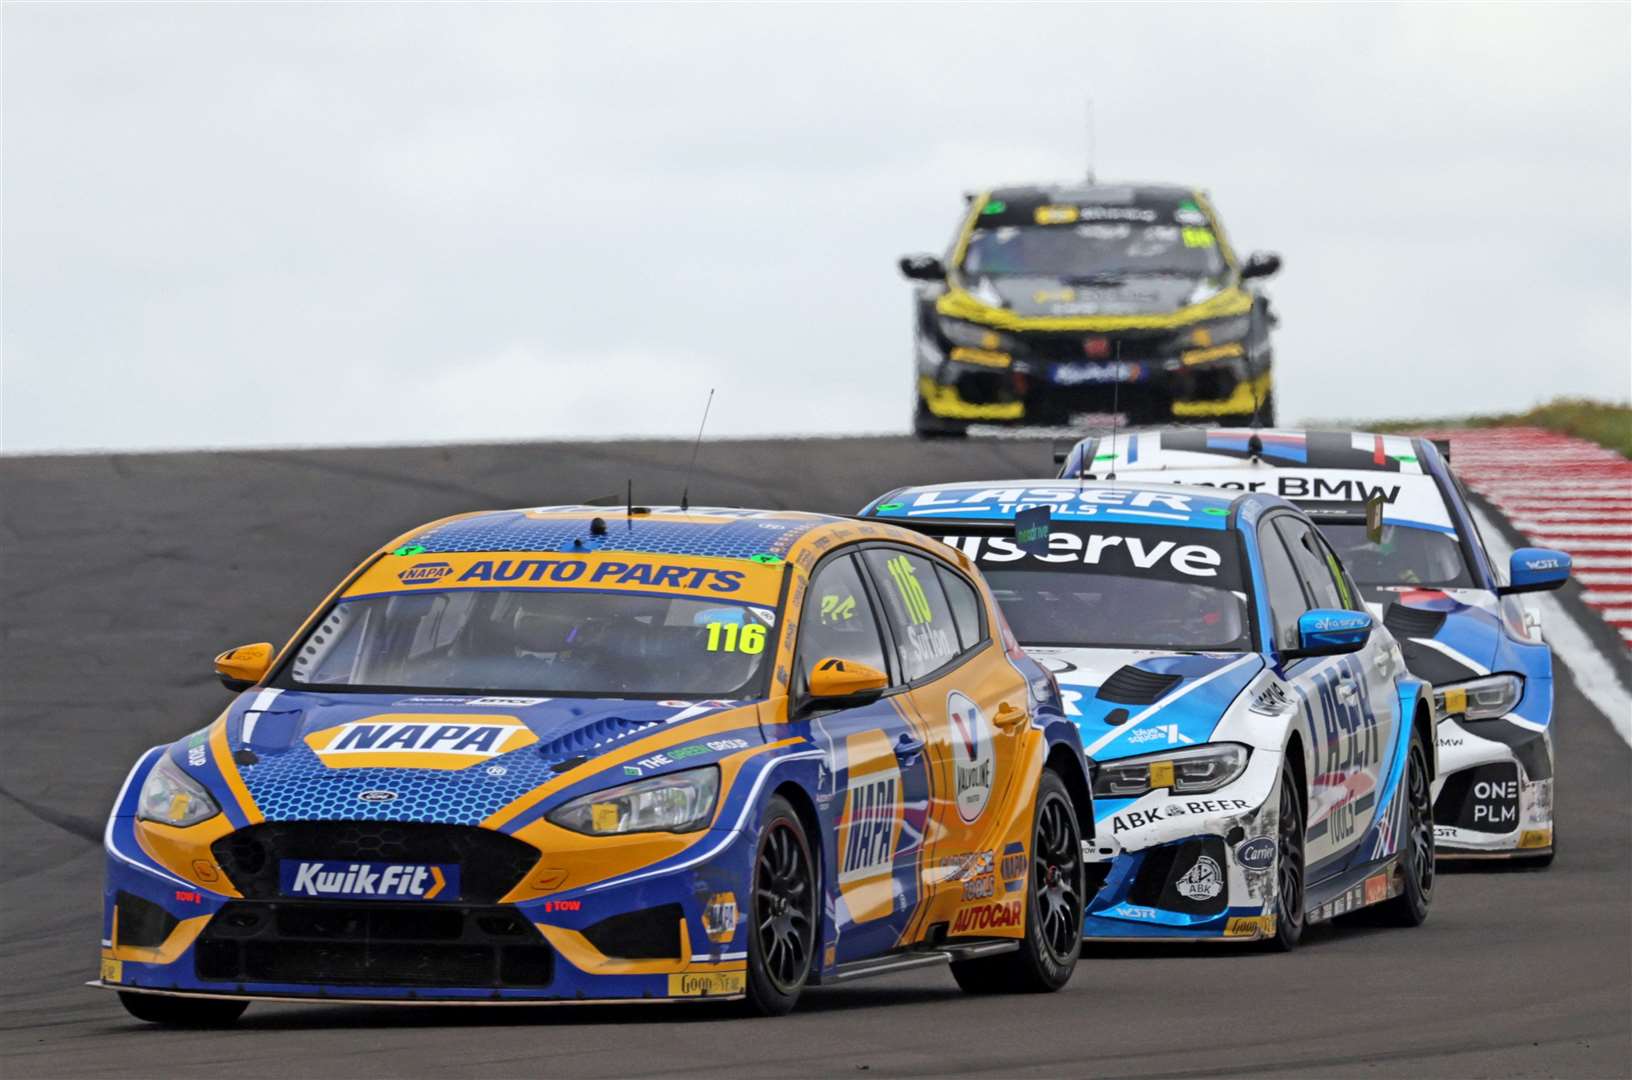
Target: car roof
{"points": [[1233, 448], [1093, 191], [1108, 501], [766, 536]]}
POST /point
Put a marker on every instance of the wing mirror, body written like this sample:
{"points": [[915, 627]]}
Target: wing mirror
{"points": [[1260, 264], [922, 268], [1535, 570], [243, 667], [1330, 632], [836, 681]]}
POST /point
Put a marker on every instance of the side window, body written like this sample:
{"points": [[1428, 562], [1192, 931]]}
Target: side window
{"points": [[964, 601], [1310, 560], [915, 606], [837, 620], [1286, 600], [1346, 590]]}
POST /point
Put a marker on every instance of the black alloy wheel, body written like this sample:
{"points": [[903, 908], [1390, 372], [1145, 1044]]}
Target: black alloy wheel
{"points": [[1054, 906], [1410, 908], [1290, 862], [782, 931]]}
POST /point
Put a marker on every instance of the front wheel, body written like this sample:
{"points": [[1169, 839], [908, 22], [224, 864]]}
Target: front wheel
{"points": [[187, 1012], [782, 927], [1048, 953], [1410, 908], [1290, 863]]}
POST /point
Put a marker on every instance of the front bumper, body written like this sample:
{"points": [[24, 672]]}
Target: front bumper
{"points": [[1493, 798], [1188, 867], [981, 386], [652, 934]]}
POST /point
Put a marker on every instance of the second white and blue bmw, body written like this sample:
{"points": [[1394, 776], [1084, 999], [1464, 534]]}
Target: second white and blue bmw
{"points": [[1262, 758]]}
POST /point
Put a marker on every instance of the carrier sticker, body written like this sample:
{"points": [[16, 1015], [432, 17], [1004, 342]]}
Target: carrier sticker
{"points": [[870, 826], [419, 740], [972, 759]]}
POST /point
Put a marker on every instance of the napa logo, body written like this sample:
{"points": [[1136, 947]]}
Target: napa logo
{"points": [[424, 573], [870, 826], [420, 740]]}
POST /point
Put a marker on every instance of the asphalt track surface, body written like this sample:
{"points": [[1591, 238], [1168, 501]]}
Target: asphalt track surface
{"points": [[122, 575]]}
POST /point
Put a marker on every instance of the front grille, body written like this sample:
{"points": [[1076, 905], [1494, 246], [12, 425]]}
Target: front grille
{"points": [[1129, 347], [141, 922], [327, 942], [490, 863], [653, 934], [1410, 622], [1129, 685]]}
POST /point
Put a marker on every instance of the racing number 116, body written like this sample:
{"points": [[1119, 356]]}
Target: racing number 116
{"points": [[732, 637]]}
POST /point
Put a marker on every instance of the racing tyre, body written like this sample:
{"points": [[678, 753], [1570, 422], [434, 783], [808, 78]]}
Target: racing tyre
{"points": [[182, 1011], [1410, 908], [782, 913], [1290, 863], [927, 425], [1048, 953]]}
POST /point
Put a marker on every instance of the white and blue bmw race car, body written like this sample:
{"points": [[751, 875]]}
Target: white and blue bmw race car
{"points": [[1262, 758], [1427, 574]]}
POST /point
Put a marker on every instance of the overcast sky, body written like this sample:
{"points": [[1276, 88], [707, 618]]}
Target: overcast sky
{"points": [[278, 224]]}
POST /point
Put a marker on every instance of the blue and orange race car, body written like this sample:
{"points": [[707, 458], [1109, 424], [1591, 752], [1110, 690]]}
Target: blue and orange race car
{"points": [[567, 754]]}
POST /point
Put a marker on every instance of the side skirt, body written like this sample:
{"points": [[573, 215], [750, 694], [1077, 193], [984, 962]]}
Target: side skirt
{"points": [[890, 963], [1355, 888]]}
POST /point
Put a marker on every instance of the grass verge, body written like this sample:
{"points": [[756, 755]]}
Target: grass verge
{"points": [[1605, 423]]}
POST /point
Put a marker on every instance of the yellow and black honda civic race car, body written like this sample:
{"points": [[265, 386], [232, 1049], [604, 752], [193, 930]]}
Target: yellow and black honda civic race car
{"points": [[565, 754], [1058, 303]]}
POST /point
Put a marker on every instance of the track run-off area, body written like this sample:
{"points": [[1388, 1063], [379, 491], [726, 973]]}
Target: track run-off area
{"points": [[122, 575]]}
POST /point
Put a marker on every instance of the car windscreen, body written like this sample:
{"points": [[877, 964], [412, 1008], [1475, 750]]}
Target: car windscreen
{"points": [[1118, 586], [545, 641], [1090, 251], [1404, 556]]}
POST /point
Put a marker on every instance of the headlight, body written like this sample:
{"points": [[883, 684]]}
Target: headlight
{"points": [[972, 336], [678, 802], [1184, 772], [1480, 699], [1220, 331], [171, 797]]}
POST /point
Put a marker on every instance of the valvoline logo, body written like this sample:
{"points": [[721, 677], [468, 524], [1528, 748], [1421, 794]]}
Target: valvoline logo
{"points": [[424, 573], [317, 878]]}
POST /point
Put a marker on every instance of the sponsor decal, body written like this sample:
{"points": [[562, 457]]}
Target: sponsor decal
{"points": [[1376, 888], [1256, 854], [563, 905], [1014, 867], [611, 572], [195, 756], [1273, 701], [509, 702], [1168, 733], [113, 971], [869, 826], [206, 871], [376, 796], [1496, 804], [974, 870], [972, 758], [1134, 911], [419, 740], [1536, 838], [496, 770], [1031, 530], [424, 573], [720, 916], [1138, 819], [707, 983], [185, 896], [1004, 915], [368, 880], [1117, 552], [1250, 926], [1203, 881]]}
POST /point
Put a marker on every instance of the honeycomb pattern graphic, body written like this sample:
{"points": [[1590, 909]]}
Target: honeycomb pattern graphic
{"points": [[513, 530]]}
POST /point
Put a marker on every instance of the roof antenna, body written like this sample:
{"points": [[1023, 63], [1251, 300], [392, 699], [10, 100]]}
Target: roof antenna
{"points": [[1091, 147], [629, 504], [685, 488], [1116, 405]]}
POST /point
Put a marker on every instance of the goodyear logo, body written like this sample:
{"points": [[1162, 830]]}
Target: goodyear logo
{"points": [[424, 573], [368, 880], [419, 740], [707, 983]]}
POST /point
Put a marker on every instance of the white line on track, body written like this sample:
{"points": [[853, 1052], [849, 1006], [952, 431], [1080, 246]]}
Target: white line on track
{"points": [[1571, 645]]}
